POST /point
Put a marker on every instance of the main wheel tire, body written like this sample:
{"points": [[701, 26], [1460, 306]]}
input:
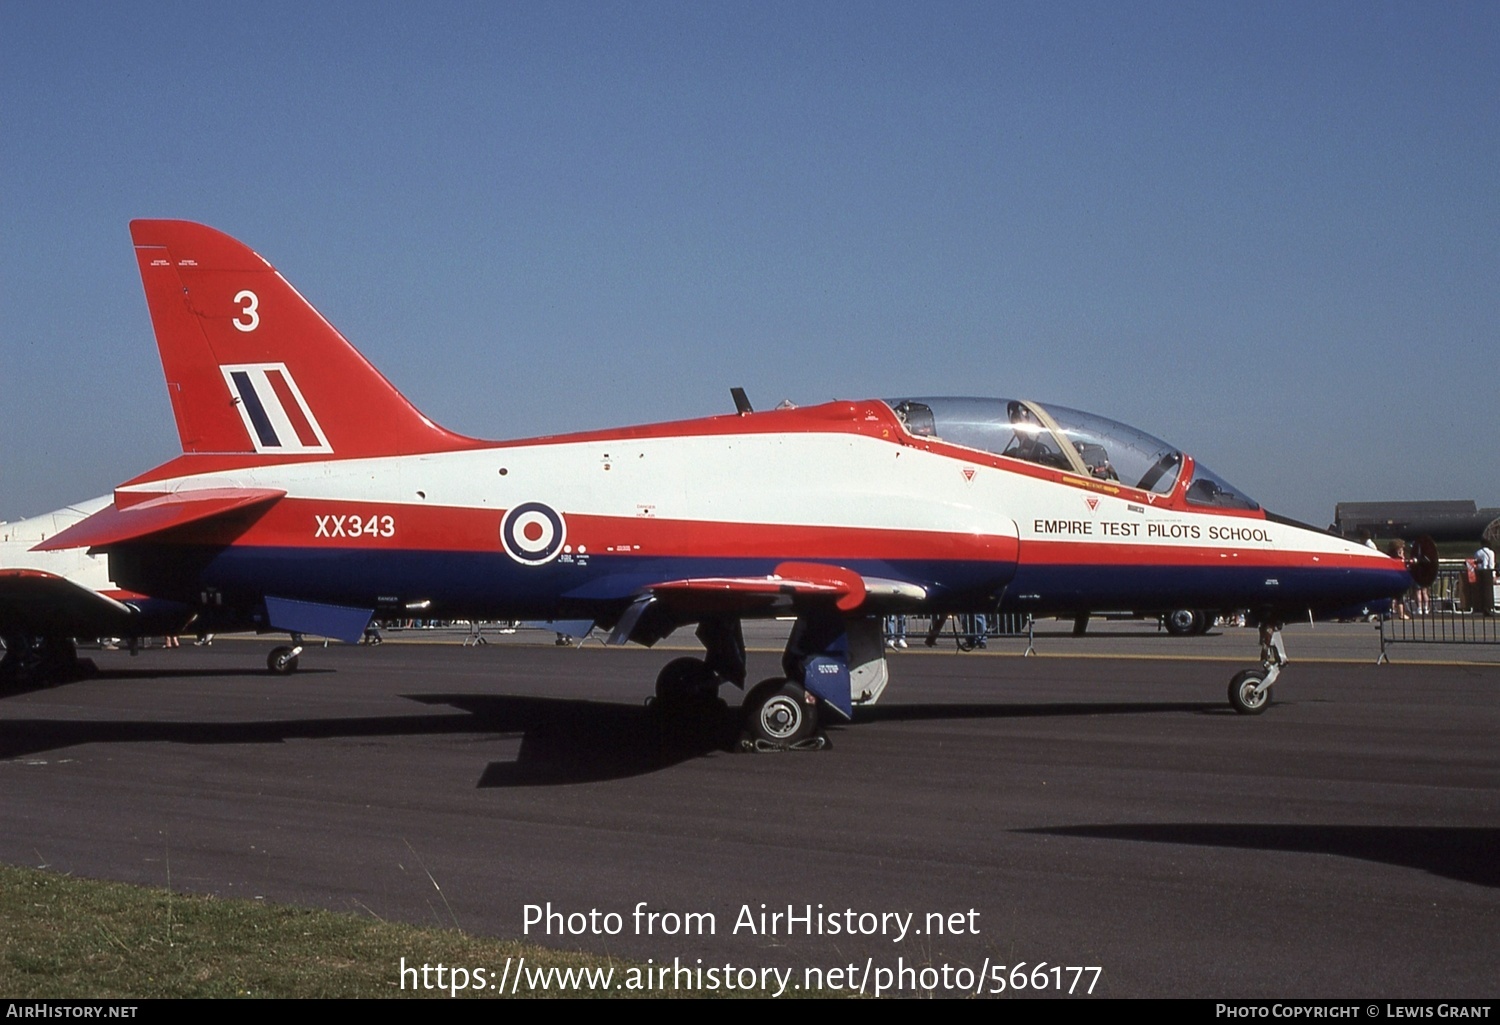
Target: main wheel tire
{"points": [[684, 680], [1183, 622], [281, 661], [57, 659], [777, 711], [1242, 692]]}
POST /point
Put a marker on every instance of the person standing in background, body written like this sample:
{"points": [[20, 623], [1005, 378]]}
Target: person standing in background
{"points": [[1484, 580]]}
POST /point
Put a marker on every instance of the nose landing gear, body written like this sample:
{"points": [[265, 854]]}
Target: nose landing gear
{"points": [[1250, 690]]}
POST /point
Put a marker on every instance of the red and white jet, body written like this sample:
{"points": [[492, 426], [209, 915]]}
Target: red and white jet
{"points": [[310, 494]]}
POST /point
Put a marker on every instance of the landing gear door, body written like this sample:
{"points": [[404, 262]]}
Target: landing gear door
{"points": [[868, 672], [841, 662]]}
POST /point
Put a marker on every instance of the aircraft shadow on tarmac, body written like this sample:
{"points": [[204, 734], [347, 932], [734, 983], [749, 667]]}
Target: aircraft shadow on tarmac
{"points": [[1464, 853], [198, 673], [571, 741], [574, 741], [22, 737], [14, 687], [563, 740]]}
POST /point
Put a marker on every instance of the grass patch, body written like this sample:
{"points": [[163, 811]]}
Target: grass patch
{"points": [[65, 937]]}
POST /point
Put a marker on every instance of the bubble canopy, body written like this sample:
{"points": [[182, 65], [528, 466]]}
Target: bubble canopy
{"points": [[1065, 439]]}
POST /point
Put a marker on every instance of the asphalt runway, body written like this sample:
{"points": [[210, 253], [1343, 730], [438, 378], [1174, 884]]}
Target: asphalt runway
{"points": [[1106, 811]]}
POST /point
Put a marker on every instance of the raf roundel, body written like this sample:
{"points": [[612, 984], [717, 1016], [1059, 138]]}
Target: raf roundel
{"points": [[533, 533]]}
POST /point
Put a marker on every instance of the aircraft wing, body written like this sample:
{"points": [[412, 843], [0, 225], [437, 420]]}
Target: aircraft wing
{"points": [[672, 602], [790, 582], [114, 525], [37, 602], [740, 594]]}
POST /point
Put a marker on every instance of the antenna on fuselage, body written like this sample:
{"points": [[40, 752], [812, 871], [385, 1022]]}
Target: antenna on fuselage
{"points": [[741, 401]]}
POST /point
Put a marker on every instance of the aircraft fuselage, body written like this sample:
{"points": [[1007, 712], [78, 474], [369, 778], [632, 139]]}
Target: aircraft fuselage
{"points": [[576, 526]]}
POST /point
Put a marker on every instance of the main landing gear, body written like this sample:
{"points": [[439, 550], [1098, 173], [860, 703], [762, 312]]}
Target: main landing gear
{"points": [[693, 683], [778, 714], [686, 681], [781, 715], [687, 689], [1250, 690], [1188, 622], [31, 660]]}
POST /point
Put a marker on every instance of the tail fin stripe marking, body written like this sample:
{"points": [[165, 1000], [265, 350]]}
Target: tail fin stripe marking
{"points": [[305, 433], [257, 412]]}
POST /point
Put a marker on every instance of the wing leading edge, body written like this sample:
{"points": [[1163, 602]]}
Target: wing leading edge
{"points": [[791, 584]]}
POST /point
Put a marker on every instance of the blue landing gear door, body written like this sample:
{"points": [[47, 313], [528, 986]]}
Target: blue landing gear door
{"points": [[839, 660], [827, 676]]}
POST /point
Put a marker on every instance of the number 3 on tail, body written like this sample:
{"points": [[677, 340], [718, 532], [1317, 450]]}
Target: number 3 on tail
{"points": [[249, 318]]}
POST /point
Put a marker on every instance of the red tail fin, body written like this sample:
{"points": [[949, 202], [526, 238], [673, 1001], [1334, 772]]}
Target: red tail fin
{"points": [[252, 367]]}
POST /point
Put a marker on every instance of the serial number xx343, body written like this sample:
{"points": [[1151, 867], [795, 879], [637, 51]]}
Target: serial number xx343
{"points": [[334, 525]]}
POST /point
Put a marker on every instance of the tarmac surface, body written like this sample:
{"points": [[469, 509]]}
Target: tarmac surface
{"points": [[1107, 810]]}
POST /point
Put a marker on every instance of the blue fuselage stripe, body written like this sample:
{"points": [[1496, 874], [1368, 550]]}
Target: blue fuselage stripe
{"points": [[493, 585]]}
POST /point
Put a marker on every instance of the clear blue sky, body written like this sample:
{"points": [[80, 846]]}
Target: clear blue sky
{"points": [[1269, 233]]}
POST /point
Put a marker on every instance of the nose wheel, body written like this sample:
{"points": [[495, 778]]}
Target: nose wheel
{"points": [[1249, 693], [1250, 690], [283, 660]]}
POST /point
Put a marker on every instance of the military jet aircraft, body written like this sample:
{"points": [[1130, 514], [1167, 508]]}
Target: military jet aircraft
{"points": [[311, 494]]}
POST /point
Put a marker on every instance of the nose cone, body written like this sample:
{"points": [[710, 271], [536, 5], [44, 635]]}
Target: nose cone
{"points": [[1422, 561], [1330, 575]]}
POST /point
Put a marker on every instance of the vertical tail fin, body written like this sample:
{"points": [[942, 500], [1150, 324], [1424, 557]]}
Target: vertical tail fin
{"points": [[251, 366]]}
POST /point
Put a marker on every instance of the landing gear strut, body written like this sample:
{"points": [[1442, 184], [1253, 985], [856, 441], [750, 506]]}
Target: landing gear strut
{"points": [[283, 660], [691, 685], [830, 663], [1250, 690]]}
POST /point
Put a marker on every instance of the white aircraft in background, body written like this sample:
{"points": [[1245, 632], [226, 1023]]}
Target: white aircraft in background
{"points": [[48, 598]]}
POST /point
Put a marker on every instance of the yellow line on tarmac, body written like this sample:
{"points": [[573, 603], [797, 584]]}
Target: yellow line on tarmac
{"points": [[1248, 656]]}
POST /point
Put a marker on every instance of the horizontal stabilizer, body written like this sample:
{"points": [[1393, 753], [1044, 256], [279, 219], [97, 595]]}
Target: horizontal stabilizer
{"points": [[113, 525]]}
